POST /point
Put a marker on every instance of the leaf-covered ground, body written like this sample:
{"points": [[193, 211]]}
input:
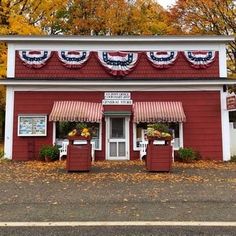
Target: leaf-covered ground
{"points": [[121, 171], [112, 190]]}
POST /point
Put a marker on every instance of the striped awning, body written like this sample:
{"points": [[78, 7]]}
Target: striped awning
{"points": [[76, 111], [150, 112]]}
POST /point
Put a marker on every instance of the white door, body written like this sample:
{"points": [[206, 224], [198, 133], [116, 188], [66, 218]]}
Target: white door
{"points": [[117, 138]]}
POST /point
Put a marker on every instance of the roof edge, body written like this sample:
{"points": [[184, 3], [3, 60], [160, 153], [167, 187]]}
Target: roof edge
{"points": [[119, 39]]}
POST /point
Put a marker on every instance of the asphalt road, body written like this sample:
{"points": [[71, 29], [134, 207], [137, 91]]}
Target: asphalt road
{"points": [[202, 195], [71, 201]]}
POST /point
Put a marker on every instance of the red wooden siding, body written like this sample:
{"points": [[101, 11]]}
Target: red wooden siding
{"points": [[93, 69], [42, 103], [202, 130]]}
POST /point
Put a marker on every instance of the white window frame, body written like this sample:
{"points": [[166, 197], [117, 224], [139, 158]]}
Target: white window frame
{"points": [[31, 116], [181, 137], [100, 136]]}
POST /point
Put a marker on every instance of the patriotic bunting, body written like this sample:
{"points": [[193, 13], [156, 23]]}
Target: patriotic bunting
{"points": [[162, 59], [200, 59], [34, 59], [73, 59], [118, 63]]}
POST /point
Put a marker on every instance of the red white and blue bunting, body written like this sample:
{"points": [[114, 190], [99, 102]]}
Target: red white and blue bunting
{"points": [[200, 59], [162, 59], [73, 59], [118, 63], [34, 59]]}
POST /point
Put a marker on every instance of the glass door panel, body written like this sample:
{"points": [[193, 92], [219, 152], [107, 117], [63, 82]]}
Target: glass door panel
{"points": [[117, 138], [113, 149], [121, 149], [117, 128]]}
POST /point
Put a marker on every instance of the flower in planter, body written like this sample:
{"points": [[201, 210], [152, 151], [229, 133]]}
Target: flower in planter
{"points": [[159, 130], [80, 130], [85, 132], [72, 133]]}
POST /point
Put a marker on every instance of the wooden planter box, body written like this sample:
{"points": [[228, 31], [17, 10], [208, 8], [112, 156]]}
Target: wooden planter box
{"points": [[159, 157], [78, 155]]}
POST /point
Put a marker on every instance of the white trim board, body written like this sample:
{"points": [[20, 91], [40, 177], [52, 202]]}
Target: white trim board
{"points": [[225, 127], [125, 46], [11, 54], [119, 39], [128, 43], [119, 223], [67, 83], [8, 140], [111, 88], [222, 61]]}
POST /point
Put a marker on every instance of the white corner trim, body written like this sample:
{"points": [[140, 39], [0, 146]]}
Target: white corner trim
{"points": [[181, 135], [100, 138], [222, 61], [106, 137], [8, 141], [135, 148], [127, 127], [11, 61], [53, 133], [225, 127]]}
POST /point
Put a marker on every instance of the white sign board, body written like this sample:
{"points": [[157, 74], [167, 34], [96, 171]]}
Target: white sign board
{"points": [[117, 95], [117, 98], [32, 125]]}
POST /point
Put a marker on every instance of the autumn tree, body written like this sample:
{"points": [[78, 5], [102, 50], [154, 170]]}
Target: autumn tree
{"points": [[24, 17], [207, 17], [113, 17]]}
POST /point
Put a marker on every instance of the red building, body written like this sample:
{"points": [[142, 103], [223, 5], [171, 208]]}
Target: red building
{"points": [[118, 85]]}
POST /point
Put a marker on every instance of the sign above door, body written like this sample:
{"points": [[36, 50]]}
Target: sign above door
{"points": [[117, 98]]}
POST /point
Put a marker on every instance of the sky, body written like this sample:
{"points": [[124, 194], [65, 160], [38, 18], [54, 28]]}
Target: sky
{"points": [[166, 3]]}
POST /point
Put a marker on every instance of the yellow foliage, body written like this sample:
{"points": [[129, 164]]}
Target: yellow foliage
{"points": [[207, 17], [19, 25]]}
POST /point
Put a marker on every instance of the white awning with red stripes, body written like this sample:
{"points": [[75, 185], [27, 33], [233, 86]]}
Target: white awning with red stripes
{"points": [[149, 112], [76, 111]]}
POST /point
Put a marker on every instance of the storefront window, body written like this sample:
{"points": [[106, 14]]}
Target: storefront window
{"points": [[63, 128], [141, 130], [176, 134]]}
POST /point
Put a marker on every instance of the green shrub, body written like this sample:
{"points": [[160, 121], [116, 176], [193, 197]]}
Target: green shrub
{"points": [[49, 151], [187, 154], [233, 158]]}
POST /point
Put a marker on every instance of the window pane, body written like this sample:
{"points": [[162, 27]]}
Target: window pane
{"points": [[113, 149], [96, 141], [121, 149], [117, 128]]}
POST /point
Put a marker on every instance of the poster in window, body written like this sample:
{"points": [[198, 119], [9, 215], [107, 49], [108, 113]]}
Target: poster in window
{"points": [[32, 125]]}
